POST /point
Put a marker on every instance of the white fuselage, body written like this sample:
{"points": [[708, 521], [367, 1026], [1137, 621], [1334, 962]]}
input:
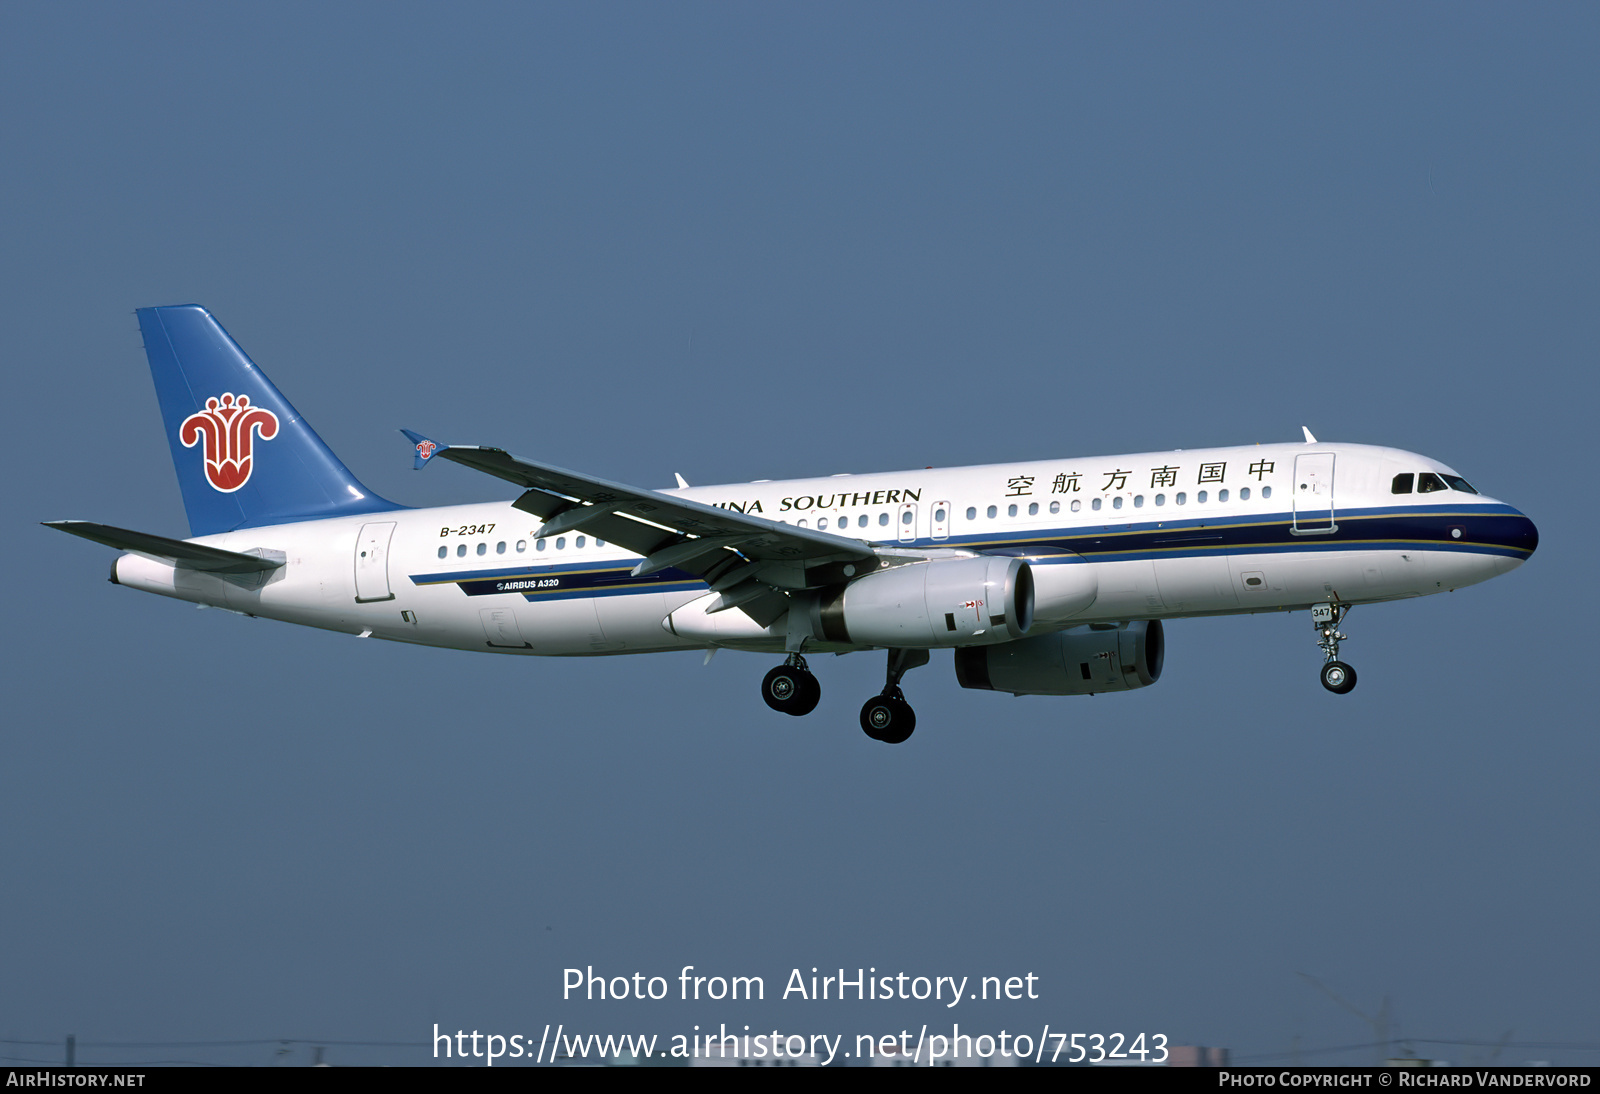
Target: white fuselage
{"points": [[1157, 535]]}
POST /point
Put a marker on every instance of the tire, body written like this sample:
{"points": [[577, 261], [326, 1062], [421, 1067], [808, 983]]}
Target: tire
{"points": [[888, 719], [810, 695], [791, 691], [1338, 677]]}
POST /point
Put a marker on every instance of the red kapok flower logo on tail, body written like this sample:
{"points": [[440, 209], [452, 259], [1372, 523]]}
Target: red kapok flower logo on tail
{"points": [[426, 449], [227, 427]]}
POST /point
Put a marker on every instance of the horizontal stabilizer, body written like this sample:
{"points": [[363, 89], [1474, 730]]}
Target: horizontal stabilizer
{"points": [[190, 556]]}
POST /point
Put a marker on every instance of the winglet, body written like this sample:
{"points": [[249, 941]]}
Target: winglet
{"points": [[425, 449], [1309, 438]]}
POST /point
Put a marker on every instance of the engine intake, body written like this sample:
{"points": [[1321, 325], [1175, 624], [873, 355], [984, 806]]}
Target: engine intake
{"points": [[1077, 661], [926, 605]]}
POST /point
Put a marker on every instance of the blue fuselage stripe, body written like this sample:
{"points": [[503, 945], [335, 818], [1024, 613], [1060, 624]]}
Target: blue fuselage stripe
{"points": [[1467, 529]]}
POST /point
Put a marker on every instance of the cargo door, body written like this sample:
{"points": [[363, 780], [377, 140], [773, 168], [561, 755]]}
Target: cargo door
{"points": [[501, 630]]}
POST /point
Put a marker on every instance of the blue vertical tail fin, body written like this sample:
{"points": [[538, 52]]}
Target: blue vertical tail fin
{"points": [[244, 455]]}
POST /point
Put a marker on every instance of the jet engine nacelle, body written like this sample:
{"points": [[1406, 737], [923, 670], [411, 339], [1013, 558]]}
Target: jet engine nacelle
{"points": [[1078, 661], [926, 605]]}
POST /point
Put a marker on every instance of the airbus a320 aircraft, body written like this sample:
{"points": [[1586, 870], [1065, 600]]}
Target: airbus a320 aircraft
{"points": [[1047, 578]]}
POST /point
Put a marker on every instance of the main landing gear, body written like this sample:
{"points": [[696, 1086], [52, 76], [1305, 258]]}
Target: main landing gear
{"points": [[1337, 676], [791, 687], [887, 717]]}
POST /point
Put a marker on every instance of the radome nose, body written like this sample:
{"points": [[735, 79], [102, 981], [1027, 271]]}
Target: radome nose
{"points": [[1522, 534]]}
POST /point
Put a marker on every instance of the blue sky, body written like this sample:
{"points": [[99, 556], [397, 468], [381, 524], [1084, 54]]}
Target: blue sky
{"points": [[764, 241]]}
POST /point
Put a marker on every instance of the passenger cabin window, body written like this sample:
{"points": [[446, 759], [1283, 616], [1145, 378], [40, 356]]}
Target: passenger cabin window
{"points": [[461, 550], [1011, 510], [1428, 482], [972, 512], [443, 551], [992, 512], [1402, 483], [883, 520]]}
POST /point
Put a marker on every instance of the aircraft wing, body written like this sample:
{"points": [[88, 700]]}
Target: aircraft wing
{"points": [[189, 556], [726, 547]]}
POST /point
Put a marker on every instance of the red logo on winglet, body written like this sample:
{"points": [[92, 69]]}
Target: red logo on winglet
{"points": [[427, 449], [227, 428]]}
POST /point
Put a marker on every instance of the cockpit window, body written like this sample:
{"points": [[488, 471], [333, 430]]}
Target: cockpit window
{"points": [[1428, 482], [1402, 483], [1458, 483]]}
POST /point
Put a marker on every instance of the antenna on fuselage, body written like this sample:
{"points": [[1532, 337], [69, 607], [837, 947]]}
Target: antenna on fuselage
{"points": [[1307, 431]]}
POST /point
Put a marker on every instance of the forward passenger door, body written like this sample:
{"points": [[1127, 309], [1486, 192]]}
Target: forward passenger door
{"points": [[1313, 495]]}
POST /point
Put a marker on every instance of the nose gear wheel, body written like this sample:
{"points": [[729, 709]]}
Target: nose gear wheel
{"points": [[1337, 676]]}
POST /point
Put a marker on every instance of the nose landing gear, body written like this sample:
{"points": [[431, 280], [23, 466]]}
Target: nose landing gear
{"points": [[1337, 676], [791, 688]]}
